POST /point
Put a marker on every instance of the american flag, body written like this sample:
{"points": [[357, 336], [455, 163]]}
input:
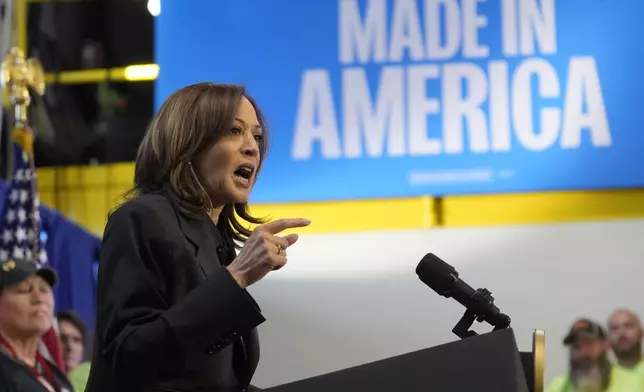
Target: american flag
{"points": [[20, 225]]}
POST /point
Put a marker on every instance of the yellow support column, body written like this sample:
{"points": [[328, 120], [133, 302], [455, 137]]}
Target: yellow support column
{"points": [[20, 24]]}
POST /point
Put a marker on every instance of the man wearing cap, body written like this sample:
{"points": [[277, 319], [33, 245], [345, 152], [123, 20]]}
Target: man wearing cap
{"points": [[590, 369], [26, 313]]}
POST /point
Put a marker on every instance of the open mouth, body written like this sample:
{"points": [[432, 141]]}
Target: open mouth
{"points": [[244, 173]]}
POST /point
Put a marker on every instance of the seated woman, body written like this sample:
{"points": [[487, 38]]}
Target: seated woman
{"points": [[26, 313]]}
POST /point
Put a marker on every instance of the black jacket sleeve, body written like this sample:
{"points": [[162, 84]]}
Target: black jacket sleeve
{"points": [[143, 333]]}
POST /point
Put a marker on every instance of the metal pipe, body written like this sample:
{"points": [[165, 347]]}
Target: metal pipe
{"points": [[132, 73], [21, 13]]}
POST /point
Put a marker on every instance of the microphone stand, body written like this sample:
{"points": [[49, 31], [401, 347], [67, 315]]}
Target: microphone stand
{"points": [[484, 300]]}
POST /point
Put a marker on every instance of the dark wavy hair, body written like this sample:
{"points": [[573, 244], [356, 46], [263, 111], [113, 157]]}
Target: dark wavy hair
{"points": [[189, 122], [74, 319]]}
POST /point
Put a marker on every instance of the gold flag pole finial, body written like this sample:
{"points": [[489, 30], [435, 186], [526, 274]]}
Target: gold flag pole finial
{"points": [[18, 76]]}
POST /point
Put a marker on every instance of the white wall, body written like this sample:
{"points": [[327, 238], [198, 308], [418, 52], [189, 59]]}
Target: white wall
{"points": [[349, 299]]}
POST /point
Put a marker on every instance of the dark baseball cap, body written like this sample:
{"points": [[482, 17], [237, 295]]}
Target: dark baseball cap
{"points": [[14, 271], [584, 328]]}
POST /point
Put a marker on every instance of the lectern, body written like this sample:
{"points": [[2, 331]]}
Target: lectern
{"points": [[487, 362]]}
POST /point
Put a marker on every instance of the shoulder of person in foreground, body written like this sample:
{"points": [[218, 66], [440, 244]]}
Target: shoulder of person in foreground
{"points": [[6, 379], [15, 377], [135, 224], [146, 209]]}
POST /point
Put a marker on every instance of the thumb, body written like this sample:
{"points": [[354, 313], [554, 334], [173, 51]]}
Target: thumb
{"points": [[291, 238]]}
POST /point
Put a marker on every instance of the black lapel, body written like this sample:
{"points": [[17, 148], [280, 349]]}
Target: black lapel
{"points": [[246, 356], [211, 252], [206, 241]]}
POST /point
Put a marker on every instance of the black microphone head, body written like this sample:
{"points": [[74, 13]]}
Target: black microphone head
{"points": [[436, 274], [444, 280]]}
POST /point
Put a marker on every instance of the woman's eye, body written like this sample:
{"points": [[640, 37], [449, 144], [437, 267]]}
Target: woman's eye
{"points": [[259, 139], [236, 130], [24, 289]]}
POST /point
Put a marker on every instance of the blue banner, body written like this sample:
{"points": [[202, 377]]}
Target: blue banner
{"points": [[390, 98]]}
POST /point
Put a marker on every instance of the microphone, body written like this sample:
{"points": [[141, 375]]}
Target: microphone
{"points": [[444, 280]]}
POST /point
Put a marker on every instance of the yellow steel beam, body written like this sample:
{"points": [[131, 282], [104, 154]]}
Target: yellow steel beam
{"points": [[543, 207], [132, 73], [86, 194]]}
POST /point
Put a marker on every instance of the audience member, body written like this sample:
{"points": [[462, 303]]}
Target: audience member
{"points": [[590, 368], [72, 335], [26, 313], [625, 338]]}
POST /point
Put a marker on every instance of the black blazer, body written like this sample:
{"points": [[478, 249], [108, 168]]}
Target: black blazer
{"points": [[170, 317]]}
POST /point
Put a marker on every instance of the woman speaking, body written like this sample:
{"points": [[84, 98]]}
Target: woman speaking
{"points": [[173, 313]]}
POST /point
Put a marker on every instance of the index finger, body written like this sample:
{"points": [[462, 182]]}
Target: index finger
{"points": [[279, 225]]}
